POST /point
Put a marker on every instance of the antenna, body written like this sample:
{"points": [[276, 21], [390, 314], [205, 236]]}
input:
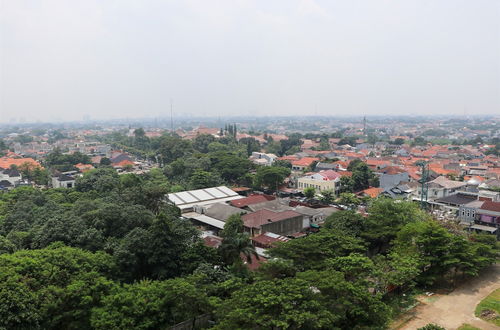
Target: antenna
{"points": [[172, 115]]}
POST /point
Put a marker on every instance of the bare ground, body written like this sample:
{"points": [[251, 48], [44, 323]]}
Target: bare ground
{"points": [[452, 310]]}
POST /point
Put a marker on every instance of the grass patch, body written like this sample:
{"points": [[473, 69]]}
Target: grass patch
{"points": [[489, 308], [466, 326]]}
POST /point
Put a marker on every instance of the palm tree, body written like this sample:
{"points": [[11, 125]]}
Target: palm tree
{"points": [[235, 245]]}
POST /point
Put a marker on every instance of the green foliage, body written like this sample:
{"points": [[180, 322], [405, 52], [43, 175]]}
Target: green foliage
{"points": [[327, 196], [349, 222], [362, 177], [65, 162], [101, 180], [491, 303], [387, 217], [235, 242], [52, 288], [311, 252], [278, 304], [309, 192], [150, 305], [270, 176]]}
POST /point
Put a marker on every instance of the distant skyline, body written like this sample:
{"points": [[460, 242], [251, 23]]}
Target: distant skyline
{"points": [[63, 60]]}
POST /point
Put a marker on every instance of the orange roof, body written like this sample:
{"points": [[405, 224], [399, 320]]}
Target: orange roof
{"points": [[345, 173], [123, 163], [372, 192], [441, 171], [291, 157], [306, 161], [6, 162]]}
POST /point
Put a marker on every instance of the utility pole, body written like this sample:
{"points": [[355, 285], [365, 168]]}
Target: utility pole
{"points": [[424, 187], [172, 115]]}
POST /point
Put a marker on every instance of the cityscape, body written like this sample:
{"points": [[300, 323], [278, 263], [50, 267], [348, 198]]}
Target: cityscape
{"points": [[301, 164]]}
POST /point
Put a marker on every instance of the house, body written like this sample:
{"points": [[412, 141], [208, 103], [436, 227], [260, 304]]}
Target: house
{"points": [[281, 223], [212, 216], [10, 175], [244, 203], [121, 160], [322, 166], [268, 240], [441, 187], [467, 212], [371, 192], [489, 214], [63, 181], [260, 158], [456, 200], [303, 163], [84, 167], [392, 176], [401, 191], [311, 215], [323, 180], [6, 185]]}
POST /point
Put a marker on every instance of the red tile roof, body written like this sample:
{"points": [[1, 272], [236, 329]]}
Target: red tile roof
{"points": [[491, 206], [306, 161], [6, 162], [261, 217], [267, 239], [372, 192], [329, 175], [392, 170], [252, 199]]}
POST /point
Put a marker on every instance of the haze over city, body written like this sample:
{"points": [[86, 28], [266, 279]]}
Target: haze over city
{"points": [[63, 60]]}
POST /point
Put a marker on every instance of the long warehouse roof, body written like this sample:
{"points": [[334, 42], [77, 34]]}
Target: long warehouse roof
{"points": [[189, 198]]}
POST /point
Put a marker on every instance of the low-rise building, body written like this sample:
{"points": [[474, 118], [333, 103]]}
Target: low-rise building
{"points": [[323, 180], [260, 158], [281, 223]]}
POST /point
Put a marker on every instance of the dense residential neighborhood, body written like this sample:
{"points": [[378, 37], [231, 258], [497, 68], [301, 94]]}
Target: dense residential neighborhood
{"points": [[228, 215]]}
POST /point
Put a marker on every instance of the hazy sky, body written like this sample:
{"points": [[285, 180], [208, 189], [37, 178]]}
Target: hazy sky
{"points": [[62, 59]]}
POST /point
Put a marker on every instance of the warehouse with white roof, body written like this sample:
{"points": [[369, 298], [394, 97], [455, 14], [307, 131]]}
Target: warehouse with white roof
{"points": [[187, 200]]}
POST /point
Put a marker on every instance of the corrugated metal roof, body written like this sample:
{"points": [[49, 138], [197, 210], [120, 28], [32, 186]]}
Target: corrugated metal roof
{"points": [[190, 198]]}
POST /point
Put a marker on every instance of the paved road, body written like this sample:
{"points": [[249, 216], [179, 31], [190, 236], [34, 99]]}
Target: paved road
{"points": [[453, 310]]}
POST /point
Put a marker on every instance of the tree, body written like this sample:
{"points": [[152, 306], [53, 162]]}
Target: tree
{"points": [[309, 192], [203, 179], [346, 184], [101, 180], [58, 293], [150, 305], [349, 199], [327, 196], [278, 304], [386, 218], [202, 141], [349, 222], [230, 166], [310, 252], [399, 141], [271, 176], [105, 161], [351, 302], [235, 242], [156, 252], [440, 252], [251, 144]]}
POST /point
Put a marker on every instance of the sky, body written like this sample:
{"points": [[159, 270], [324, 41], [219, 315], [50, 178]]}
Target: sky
{"points": [[65, 59]]}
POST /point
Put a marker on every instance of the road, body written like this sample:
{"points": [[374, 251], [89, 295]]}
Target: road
{"points": [[452, 310]]}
